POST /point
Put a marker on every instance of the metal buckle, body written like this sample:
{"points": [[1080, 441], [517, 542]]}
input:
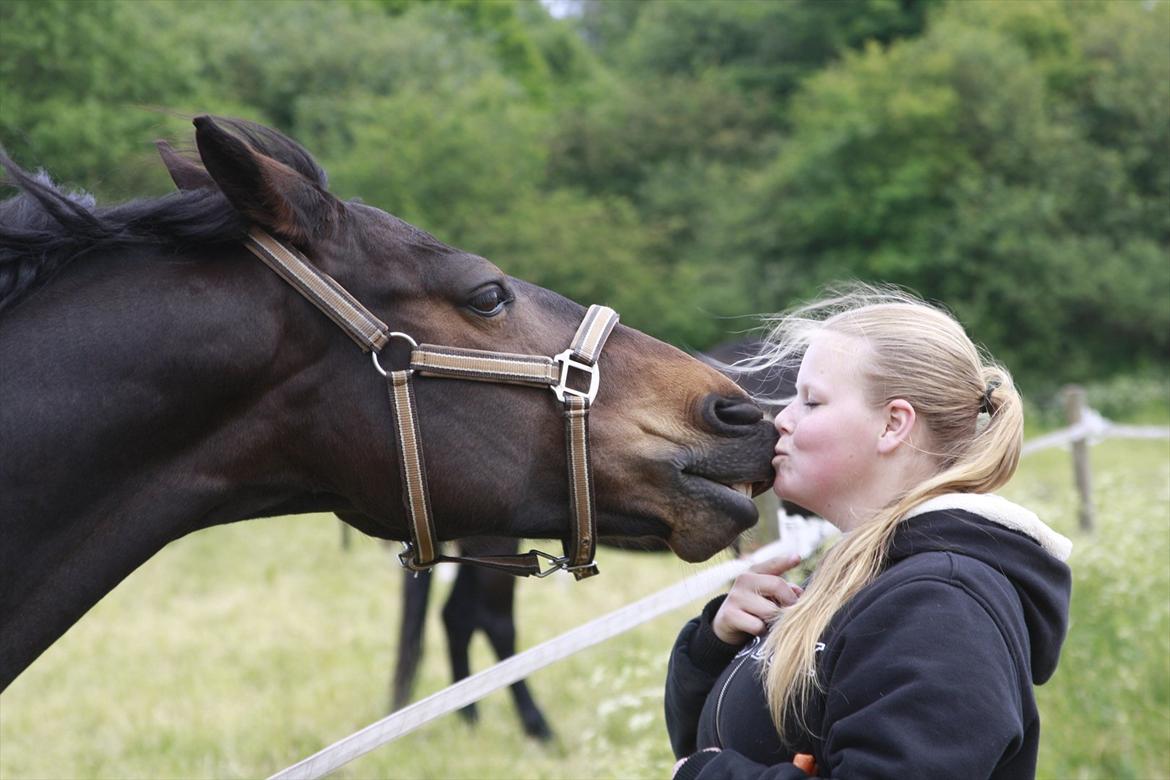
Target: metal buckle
{"points": [[557, 563], [562, 387], [390, 336], [560, 563], [407, 558]]}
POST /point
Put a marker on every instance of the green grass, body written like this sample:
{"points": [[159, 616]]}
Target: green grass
{"points": [[242, 649], [1106, 713]]}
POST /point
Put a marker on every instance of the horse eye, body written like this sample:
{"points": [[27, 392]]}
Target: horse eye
{"points": [[489, 301]]}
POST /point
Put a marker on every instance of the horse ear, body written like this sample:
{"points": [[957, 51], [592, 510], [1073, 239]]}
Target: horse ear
{"points": [[265, 191], [185, 173]]}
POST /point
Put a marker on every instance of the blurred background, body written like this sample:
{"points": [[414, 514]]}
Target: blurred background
{"points": [[690, 163], [686, 162]]}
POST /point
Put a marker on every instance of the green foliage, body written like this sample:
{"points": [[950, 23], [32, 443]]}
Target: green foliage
{"points": [[1141, 398], [77, 85], [690, 162], [759, 44], [951, 164], [613, 141], [447, 158], [1106, 712]]}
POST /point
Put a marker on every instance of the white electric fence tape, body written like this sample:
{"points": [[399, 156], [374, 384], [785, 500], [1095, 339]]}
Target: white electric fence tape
{"points": [[1093, 427], [605, 627], [522, 665]]}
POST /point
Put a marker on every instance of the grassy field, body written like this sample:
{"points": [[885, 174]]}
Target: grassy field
{"points": [[242, 649]]}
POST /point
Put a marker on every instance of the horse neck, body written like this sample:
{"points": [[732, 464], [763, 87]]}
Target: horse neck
{"points": [[151, 399]]}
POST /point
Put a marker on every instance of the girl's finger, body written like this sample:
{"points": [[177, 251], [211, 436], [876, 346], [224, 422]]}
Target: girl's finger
{"points": [[782, 592], [761, 606], [745, 623], [777, 565]]}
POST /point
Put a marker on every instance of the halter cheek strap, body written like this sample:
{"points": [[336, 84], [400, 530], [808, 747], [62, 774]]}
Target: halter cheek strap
{"points": [[555, 373]]}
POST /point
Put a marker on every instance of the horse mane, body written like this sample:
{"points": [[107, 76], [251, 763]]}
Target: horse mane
{"points": [[44, 228]]}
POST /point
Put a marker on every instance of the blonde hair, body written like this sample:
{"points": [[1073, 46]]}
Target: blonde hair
{"points": [[973, 416]]}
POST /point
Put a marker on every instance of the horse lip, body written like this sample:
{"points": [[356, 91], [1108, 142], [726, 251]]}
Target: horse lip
{"points": [[740, 487], [755, 481], [747, 460]]}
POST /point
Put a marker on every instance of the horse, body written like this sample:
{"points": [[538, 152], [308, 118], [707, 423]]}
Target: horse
{"points": [[156, 380], [484, 600]]}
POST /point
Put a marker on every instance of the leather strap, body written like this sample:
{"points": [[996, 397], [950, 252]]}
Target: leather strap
{"points": [[592, 333], [519, 565], [430, 360], [371, 334], [321, 289], [580, 545], [412, 472]]}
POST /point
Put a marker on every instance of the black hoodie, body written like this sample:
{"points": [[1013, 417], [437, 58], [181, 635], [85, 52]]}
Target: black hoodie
{"points": [[927, 672]]}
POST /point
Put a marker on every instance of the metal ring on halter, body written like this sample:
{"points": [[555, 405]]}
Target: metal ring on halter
{"points": [[389, 337]]}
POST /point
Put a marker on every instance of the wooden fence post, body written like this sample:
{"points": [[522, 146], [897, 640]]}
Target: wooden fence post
{"points": [[1074, 410]]}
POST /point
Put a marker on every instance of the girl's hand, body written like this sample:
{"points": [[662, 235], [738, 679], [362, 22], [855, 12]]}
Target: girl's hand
{"points": [[755, 599]]}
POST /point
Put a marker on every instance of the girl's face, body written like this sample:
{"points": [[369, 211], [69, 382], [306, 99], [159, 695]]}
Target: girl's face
{"points": [[827, 455]]}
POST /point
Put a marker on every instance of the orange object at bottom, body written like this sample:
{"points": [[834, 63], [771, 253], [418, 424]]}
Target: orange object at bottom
{"points": [[805, 763]]}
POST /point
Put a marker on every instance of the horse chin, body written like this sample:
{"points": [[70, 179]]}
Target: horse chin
{"points": [[695, 545], [644, 543], [713, 516]]}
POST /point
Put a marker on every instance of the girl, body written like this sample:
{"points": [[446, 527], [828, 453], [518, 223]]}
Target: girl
{"points": [[915, 647]]}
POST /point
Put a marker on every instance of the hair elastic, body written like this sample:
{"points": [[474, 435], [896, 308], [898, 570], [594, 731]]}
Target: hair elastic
{"points": [[985, 400]]}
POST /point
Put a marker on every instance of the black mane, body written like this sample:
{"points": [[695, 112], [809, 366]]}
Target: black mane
{"points": [[43, 229]]}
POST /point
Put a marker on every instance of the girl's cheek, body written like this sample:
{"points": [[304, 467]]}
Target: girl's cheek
{"points": [[806, 437]]}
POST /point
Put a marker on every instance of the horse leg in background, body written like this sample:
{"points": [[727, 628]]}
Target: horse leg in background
{"points": [[460, 619], [484, 599], [416, 593], [497, 618]]}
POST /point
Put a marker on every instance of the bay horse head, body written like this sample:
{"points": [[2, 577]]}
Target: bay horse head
{"points": [[159, 380]]}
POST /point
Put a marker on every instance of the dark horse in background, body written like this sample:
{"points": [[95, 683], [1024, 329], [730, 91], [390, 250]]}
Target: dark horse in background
{"points": [[484, 600], [157, 380]]}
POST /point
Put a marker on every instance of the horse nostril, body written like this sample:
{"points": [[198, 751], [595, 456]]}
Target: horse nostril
{"points": [[737, 411]]}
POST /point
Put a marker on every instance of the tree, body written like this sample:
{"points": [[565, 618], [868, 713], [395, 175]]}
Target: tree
{"points": [[762, 46], [969, 166]]}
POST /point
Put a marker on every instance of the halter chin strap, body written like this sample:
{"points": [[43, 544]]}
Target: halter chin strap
{"points": [[555, 373]]}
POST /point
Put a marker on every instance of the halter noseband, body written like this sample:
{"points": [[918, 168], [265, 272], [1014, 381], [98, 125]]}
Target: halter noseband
{"points": [[372, 335]]}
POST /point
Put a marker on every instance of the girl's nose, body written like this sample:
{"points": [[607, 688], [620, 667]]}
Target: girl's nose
{"points": [[783, 421]]}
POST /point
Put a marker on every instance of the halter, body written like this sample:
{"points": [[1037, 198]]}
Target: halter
{"points": [[372, 335]]}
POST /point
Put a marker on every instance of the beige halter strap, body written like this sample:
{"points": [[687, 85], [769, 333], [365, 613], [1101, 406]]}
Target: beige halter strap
{"points": [[372, 335]]}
